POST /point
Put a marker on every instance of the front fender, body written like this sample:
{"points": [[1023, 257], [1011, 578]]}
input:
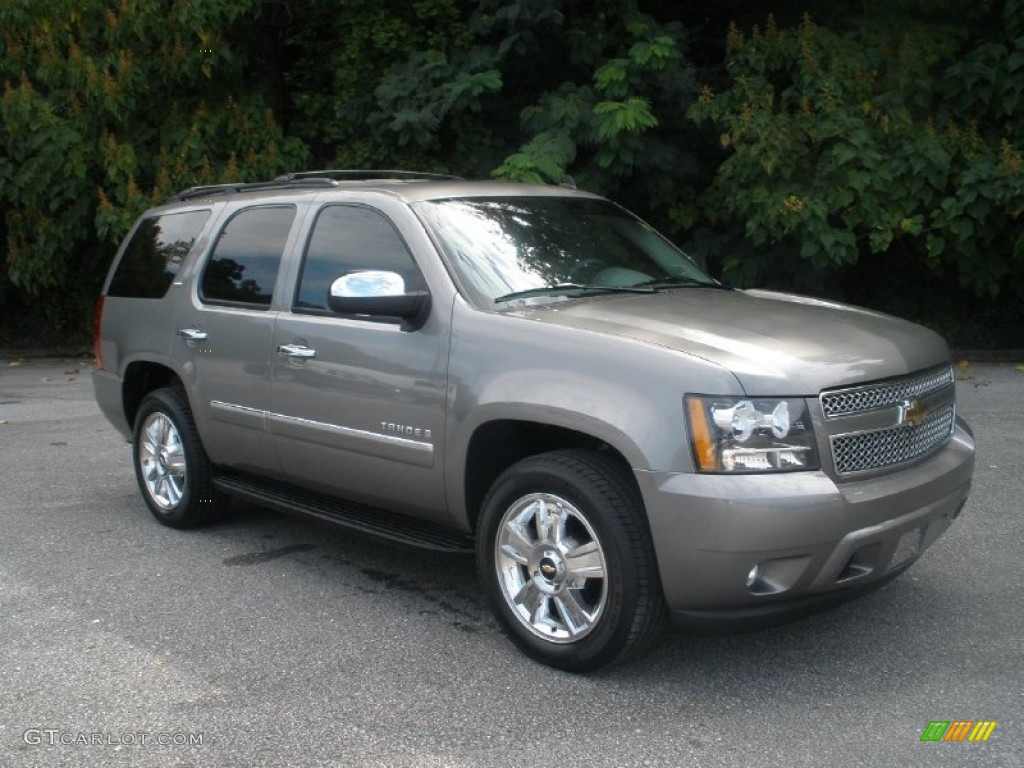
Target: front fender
{"points": [[626, 393]]}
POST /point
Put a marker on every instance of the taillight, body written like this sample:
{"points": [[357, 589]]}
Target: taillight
{"points": [[97, 320]]}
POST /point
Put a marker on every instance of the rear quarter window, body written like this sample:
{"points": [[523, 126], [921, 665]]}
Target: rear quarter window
{"points": [[155, 253]]}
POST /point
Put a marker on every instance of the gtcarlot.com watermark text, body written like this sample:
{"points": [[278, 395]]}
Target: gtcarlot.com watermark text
{"points": [[52, 737]]}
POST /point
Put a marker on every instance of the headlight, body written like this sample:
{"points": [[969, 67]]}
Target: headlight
{"points": [[750, 434]]}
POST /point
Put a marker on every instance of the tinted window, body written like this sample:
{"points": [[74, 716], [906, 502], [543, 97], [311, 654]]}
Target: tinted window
{"points": [[347, 238], [245, 260], [155, 253]]}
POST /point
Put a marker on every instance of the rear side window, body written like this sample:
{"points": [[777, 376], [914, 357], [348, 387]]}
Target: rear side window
{"points": [[155, 253], [244, 263], [347, 238]]}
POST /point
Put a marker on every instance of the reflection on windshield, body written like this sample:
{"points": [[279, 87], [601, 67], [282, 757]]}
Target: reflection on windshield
{"points": [[508, 245]]}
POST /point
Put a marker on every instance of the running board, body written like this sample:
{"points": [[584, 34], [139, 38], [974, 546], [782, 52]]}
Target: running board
{"points": [[348, 515]]}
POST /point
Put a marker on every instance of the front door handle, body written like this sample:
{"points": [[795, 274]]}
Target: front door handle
{"points": [[192, 334], [296, 351]]}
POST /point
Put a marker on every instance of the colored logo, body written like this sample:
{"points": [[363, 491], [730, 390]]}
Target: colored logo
{"points": [[958, 730], [912, 412]]}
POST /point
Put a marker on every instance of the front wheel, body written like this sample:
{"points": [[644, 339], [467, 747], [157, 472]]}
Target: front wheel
{"points": [[565, 554], [171, 466]]}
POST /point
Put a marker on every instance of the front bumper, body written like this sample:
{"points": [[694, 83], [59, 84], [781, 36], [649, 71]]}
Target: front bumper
{"points": [[816, 541]]}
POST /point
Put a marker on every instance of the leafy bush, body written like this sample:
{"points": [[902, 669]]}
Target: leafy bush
{"points": [[899, 134], [529, 90], [106, 110], [880, 148]]}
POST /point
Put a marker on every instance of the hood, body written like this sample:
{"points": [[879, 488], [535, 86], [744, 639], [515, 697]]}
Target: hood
{"points": [[774, 343]]}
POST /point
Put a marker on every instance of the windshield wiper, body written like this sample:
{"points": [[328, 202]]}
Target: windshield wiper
{"points": [[562, 288], [675, 281]]}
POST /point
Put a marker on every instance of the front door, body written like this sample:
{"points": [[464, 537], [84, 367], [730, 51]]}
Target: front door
{"points": [[357, 405]]}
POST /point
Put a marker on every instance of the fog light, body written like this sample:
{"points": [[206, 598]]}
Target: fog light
{"points": [[776, 575], [753, 576]]}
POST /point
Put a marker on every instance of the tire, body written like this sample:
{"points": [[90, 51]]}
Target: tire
{"points": [[565, 554], [171, 466]]}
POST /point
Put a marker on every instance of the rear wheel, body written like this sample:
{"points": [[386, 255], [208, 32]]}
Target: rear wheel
{"points": [[171, 466], [566, 556]]}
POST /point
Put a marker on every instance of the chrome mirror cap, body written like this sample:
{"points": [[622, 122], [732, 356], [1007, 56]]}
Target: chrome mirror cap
{"points": [[368, 283]]}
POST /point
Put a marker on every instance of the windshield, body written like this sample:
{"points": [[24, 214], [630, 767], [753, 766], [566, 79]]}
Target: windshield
{"points": [[513, 247]]}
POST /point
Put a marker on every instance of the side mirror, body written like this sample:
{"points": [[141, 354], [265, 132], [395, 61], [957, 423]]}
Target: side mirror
{"points": [[379, 294]]}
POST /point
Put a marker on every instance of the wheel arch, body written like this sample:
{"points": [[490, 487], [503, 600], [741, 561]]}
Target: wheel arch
{"points": [[499, 443], [140, 378]]}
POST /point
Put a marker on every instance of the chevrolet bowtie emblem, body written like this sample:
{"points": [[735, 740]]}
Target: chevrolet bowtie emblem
{"points": [[912, 412]]}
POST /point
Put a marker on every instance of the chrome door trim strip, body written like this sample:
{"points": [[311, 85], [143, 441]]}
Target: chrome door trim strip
{"points": [[232, 407], [238, 415], [419, 446], [374, 437]]}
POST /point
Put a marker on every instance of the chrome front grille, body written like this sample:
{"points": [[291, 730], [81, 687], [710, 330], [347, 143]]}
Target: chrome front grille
{"points": [[886, 394], [888, 423], [881, 448]]}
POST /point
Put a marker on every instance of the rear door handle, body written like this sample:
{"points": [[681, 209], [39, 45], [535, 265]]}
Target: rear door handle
{"points": [[192, 334], [296, 351]]}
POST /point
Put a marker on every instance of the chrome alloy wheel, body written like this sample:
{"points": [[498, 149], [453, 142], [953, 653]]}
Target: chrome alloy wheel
{"points": [[551, 567], [162, 458]]}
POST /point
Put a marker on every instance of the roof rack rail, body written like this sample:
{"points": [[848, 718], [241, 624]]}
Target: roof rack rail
{"points": [[210, 190], [326, 178], [366, 175]]}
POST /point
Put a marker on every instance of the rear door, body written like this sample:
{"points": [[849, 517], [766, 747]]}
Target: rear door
{"points": [[357, 404], [224, 336]]}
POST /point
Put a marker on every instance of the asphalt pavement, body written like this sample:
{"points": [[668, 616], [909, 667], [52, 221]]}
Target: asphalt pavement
{"points": [[268, 641]]}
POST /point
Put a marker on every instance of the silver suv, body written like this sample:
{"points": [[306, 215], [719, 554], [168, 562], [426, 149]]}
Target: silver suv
{"points": [[536, 374]]}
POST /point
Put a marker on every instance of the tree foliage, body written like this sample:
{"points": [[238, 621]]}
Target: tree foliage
{"points": [[871, 139], [530, 90], [881, 137], [107, 109], [341, 50]]}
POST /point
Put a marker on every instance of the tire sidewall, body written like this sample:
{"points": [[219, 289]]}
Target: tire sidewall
{"points": [[605, 641], [162, 402]]}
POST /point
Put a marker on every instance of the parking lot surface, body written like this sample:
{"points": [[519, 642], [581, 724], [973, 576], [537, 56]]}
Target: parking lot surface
{"points": [[268, 641]]}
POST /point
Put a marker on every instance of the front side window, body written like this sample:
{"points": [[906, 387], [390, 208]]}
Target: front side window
{"points": [[349, 238], [155, 253], [504, 247], [243, 266]]}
